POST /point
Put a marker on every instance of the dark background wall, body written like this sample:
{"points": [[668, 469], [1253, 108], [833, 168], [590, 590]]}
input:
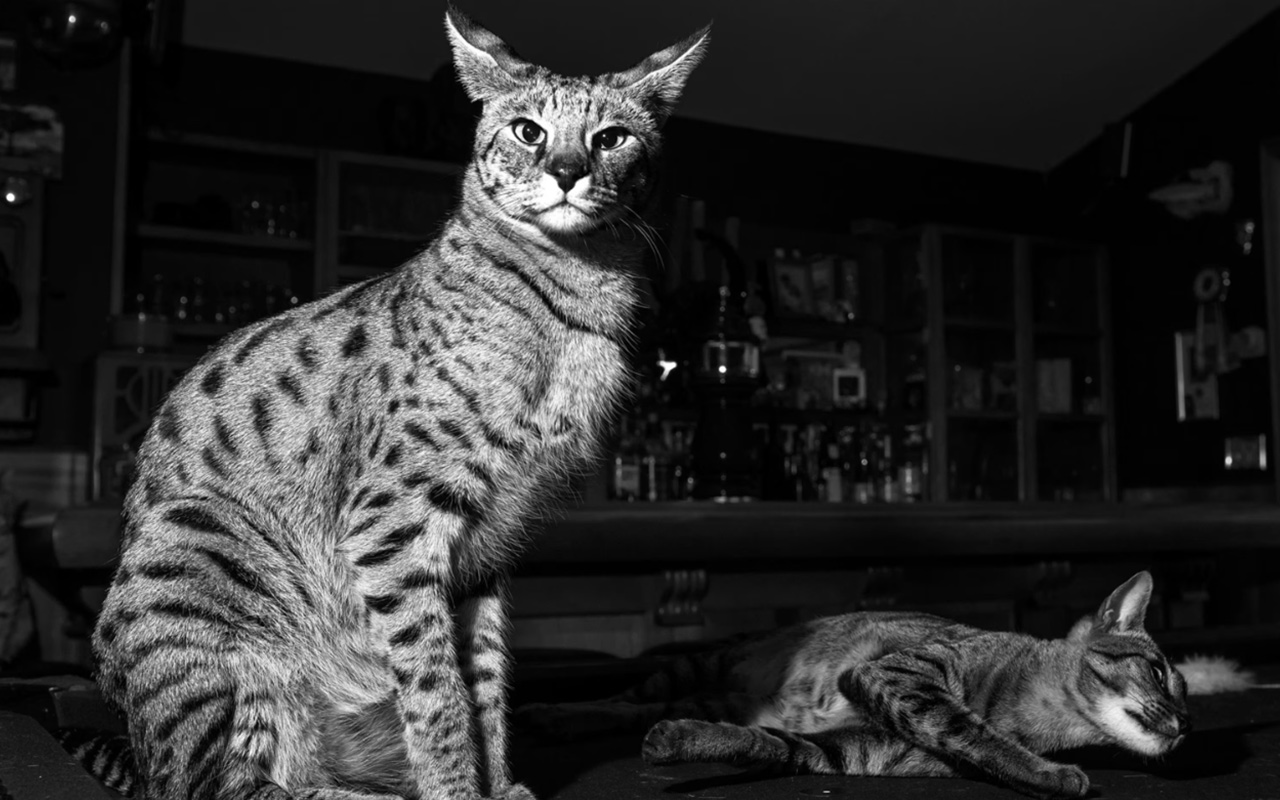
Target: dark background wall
{"points": [[784, 180], [1222, 110], [78, 230]]}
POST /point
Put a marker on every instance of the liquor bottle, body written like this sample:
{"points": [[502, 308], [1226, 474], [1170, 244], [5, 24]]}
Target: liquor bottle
{"points": [[863, 490], [887, 478], [913, 471], [831, 472], [655, 479], [624, 481]]}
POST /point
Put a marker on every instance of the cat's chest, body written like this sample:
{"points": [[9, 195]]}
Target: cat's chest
{"points": [[579, 387]]}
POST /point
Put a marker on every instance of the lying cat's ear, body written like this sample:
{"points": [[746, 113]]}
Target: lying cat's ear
{"points": [[659, 79], [1126, 609], [486, 65]]}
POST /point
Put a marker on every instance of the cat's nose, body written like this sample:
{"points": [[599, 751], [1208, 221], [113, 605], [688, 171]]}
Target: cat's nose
{"points": [[1183, 723], [567, 169]]}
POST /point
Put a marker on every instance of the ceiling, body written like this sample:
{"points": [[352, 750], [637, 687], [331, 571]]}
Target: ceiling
{"points": [[1020, 83]]}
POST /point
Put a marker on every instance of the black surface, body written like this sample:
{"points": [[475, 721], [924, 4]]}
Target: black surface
{"points": [[1233, 754]]}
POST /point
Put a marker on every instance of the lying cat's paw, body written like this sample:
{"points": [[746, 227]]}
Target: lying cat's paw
{"points": [[516, 791], [663, 744], [1062, 781]]}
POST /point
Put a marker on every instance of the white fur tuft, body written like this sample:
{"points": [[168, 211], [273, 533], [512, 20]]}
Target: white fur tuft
{"points": [[1215, 675]]}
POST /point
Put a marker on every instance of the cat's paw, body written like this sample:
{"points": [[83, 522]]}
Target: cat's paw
{"points": [[1061, 781], [663, 744], [516, 791]]}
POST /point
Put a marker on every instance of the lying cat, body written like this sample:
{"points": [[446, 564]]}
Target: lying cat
{"points": [[908, 694]]}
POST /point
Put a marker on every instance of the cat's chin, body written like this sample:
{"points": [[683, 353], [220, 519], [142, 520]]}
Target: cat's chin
{"points": [[566, 219]]}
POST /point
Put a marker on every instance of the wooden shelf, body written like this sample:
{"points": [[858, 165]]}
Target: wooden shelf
{"points": [[389, 236], [981, 414], [354, 273], [197, 236], [348, 157], [1066, 331], [812, 416], [161, 136], [827, 330], [201, 330], [1059, 417], [978, 324]]}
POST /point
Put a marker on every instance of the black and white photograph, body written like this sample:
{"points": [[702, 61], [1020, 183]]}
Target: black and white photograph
{"points": [[494, 400]]}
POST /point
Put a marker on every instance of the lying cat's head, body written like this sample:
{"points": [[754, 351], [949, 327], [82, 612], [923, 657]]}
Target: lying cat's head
{"points": [[567, 155], [1136, 696]]}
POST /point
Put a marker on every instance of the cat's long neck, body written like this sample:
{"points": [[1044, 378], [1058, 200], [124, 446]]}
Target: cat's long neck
{"points": [[589, 281]]}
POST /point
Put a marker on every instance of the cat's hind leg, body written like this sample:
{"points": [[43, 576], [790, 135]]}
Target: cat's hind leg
{"points": [[840, 751]]}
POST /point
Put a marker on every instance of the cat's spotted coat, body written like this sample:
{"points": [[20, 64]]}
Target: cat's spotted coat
{"points": [[310, 600]]}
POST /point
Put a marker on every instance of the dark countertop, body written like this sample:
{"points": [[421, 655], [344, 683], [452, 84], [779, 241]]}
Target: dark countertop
{"points": [[1233, 754], [86, 537]]}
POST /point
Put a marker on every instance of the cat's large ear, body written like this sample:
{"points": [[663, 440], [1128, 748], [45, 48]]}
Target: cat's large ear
{"points": [[659, 79], [1126, 609], [486, 65]]}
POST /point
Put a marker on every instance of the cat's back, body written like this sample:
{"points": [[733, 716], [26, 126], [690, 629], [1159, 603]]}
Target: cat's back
{"points": [[263, 412], [867, 635], [798, 668]]}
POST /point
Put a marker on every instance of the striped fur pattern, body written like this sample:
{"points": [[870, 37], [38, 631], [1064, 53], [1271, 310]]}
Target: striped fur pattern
{"points": [[899, 693], [311, 594]]}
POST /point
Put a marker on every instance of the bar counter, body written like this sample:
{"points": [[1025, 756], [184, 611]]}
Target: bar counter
{"points": [[639, 533]]}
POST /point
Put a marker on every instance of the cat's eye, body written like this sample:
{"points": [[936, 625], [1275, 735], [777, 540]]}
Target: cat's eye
{"points": [[610, 138], [1158, 672], [528, 131]]}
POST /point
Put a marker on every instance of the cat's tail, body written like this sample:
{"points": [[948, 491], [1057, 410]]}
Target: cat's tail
{"points": [[104, 755]]}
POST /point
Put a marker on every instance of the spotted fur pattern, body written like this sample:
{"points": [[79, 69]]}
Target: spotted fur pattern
{"points": [[311, 595], [899, 693]]}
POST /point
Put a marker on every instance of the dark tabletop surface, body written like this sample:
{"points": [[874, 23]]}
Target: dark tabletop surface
{"points": [[1233, 754]]}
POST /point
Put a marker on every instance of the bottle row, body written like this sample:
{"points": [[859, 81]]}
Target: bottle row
{"points": [[195, 300], [869, 461]]}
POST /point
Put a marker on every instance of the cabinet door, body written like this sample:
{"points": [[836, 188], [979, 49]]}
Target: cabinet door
{"points": [[977, 273], [1068, 352]]}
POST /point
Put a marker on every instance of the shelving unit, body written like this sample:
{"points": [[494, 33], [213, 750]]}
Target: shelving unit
{"points": [[240, 222], [220, 231], [1017, 339], [382, 210]]}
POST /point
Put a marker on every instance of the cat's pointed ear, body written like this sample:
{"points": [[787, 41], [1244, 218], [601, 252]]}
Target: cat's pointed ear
{"points": [[486, 65], [659, 79], [1126, 609]]}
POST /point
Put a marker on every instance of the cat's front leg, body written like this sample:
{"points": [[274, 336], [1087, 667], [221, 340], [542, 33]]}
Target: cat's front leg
{"points": [[911, 695], [404, 574], [486, 669]]}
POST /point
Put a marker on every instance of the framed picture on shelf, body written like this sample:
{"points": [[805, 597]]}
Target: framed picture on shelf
{"points": [[812, 381], [792, 286], [821, 287]]}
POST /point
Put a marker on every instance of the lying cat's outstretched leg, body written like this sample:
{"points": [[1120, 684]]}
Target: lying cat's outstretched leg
{"points": [[908, 694], [841, 751], [270, 791]]}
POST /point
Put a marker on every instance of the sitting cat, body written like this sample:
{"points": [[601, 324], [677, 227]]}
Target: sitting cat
{"points": [[900, 693]]}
